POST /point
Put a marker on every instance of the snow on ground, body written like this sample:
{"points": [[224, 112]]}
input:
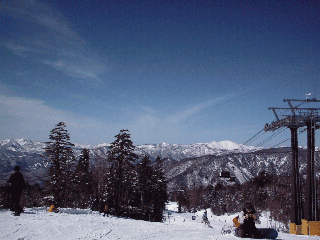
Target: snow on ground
{"points": [[84, 225]]}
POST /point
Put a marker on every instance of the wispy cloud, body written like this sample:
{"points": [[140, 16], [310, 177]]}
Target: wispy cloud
{"points": [[60, 27], [180, 116], [28, 118], [53, 41], [76, 68], [149, 127], [18, 49]]}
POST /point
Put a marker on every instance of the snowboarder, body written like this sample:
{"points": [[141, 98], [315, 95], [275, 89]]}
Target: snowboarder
{"points": [[106, 210], [247, 226], [205, 218], [16, 185]]}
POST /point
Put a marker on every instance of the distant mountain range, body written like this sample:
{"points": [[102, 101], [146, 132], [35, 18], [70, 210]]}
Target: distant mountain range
{"points": [[184, 165], [29, 154], [178, 152]]}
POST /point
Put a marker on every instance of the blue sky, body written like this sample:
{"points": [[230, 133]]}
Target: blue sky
{"points": [[169, 71]]}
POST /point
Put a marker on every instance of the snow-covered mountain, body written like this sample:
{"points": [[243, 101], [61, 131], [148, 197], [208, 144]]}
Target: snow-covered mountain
{"points": [[184, 165], [29, 154], [179, 152], [22, 145]]}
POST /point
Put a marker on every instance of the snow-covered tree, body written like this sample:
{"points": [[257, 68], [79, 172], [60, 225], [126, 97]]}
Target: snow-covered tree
{"points": [[61, 164]]}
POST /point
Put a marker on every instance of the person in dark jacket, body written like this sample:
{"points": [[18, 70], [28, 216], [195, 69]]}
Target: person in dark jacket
{"points": [[247, 221], [16, 185]]}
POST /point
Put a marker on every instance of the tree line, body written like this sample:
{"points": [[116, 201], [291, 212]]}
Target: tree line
{"points": [[125, 184], [268, 193]]}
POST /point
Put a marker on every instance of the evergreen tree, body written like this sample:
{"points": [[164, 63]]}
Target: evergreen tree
{"points": [[83, 181], [152, 190], [101, 186], [5, 200], [160, 194], [61, 162], [121, 157], [32, 196], [145, 186]]}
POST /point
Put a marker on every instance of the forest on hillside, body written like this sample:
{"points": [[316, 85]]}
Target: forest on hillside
{"points": [[269, 193]]}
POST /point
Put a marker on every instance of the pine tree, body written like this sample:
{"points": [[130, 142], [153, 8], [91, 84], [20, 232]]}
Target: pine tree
{"points": [[83, 181], [5, 200], [61, 162], [121, 157], [160, 194], [151, 190], [145, 187], [32, 196], [101, 186]]}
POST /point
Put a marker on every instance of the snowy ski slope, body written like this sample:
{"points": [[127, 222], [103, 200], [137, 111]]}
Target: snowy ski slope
{"points": [[80, 224]]}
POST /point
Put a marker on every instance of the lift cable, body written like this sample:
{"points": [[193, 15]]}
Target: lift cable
{"points": [[250, 139], [302, 131], [262, 130], [271, 137]]}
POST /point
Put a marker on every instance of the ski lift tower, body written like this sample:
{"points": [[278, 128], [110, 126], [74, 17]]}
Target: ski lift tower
{"points": [[300, 117]]}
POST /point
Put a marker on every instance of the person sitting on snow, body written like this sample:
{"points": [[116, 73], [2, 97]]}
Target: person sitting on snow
{"points": [[245, 222]]}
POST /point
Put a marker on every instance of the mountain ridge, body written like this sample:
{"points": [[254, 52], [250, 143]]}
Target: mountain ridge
{"points": [[162, 150], [184, 165]]}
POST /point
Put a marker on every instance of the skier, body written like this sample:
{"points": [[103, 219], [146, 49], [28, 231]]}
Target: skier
{"points": [[16, 185], [247, 226]]}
